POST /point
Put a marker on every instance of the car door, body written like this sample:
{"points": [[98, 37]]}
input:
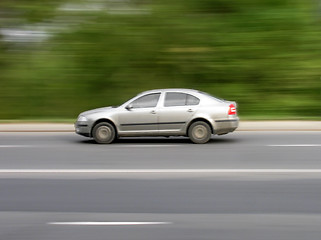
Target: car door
{"points": [[139, 116], [177, 110]]}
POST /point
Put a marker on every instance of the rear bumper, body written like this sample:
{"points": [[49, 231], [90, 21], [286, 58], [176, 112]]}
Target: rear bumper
{"points": [[224, 126]]}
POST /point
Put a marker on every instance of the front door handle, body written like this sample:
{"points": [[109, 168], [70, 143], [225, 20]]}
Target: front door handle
{"points": [[153, 112], [190, 110]]}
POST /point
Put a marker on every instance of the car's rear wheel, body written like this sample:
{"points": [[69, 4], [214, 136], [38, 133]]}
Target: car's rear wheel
{"points": [[199, 132], [104, 133]]}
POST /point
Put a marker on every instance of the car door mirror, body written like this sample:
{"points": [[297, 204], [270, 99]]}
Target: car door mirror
{"points": [[129, 107]]}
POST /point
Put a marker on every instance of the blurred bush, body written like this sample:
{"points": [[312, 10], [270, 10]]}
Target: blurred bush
{"points": [[60, 57]]}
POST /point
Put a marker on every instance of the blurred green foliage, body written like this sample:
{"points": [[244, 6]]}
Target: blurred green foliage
{"points": [[266, 54]]}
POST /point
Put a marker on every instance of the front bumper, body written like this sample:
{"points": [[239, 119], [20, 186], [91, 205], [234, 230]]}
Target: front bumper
{"points": [[82, 128]]}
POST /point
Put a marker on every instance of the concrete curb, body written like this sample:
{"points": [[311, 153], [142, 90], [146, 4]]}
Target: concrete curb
{"points": [[279, 126], [36, 127], [244, 126]]}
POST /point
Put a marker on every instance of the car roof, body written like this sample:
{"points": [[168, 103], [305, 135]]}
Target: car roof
{"points": [[185, 90]]}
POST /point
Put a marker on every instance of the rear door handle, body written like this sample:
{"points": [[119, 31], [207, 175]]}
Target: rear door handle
{"points": [[190, 110]]}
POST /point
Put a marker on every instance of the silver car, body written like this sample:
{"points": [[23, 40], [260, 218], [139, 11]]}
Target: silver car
{"points": [[161, 112]]}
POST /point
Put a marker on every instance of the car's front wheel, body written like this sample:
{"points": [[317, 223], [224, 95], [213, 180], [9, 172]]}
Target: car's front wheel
{"points": [[199, 132], [104, 133]]}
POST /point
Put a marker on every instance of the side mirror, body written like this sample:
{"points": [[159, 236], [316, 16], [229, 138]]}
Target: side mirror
{"points": [[129, 107]]}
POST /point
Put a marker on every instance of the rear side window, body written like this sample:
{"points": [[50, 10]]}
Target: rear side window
{"points": [[180, 99], [191, 100]]}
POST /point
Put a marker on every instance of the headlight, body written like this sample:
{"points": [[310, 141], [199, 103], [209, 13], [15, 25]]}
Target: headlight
{"points": [[82, 119]]}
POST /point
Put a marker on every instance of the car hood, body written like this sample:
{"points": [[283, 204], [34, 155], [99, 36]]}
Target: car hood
{"points": [[97, 110]]}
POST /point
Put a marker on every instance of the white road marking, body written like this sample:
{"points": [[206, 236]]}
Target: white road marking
{"points": [[108, 223], [116, 146], [296, 145], [158, 171], [14, 146]]}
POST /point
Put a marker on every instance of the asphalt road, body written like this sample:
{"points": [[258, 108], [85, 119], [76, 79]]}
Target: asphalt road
{"points": [[245, 185]]}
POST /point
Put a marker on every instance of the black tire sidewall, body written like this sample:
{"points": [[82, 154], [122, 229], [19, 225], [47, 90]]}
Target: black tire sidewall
{"points": [[112, 129], [203, 140]]}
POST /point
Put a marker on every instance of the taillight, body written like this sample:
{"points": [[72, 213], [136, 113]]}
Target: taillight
{"points": [[232, 110]]}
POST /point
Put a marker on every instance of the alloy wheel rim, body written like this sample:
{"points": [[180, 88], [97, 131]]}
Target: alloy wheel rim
{"points": [[200, 132], [103, 133]]}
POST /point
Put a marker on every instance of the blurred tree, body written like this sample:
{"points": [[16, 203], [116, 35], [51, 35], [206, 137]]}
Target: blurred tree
{"points": [[58, 58]]}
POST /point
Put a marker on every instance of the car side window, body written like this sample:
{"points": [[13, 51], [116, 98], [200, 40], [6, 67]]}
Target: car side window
{"points": [[175, 99], [180, 99], [146, 101], [191, 100]]}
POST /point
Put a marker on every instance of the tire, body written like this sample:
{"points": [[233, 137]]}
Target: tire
{"points": [[104, 133], [199, 132]]}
